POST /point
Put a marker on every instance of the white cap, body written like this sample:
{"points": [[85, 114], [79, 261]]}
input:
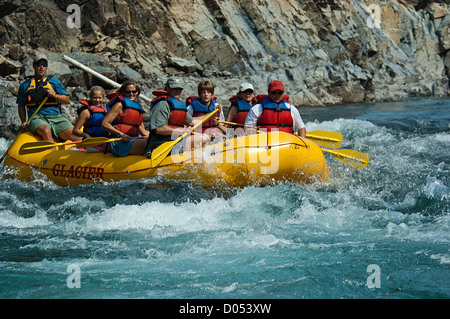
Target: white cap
{"points": [[39, 57], [246, 86]]}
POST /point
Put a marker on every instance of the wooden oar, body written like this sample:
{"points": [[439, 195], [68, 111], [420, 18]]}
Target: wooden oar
{"points": [[352, 158], [161, 152], [29, 120], [322, 138]]}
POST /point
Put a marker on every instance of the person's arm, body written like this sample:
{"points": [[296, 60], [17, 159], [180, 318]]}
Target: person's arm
{"points": [[63, 99], [252, 120], [23, 116], [232, 111], [142, 130], [302, 132], [298, 125], [222, 127], [58, 92], [84, 116], [21, 108], [159, 119], [110, 117]]}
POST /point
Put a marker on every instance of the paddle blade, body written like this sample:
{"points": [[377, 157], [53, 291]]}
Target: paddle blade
{"points": [[35, 147], [350, 157], [326, 138], [161, 152]]}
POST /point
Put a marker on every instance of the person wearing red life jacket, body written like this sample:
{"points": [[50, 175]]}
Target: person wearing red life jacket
{"points": [[90, 116], [203, 104], [241, 104], [125, 120], [275, 113], [169, 119]]}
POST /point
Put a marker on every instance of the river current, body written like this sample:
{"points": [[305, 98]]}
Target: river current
{"points": [[381, 232]]}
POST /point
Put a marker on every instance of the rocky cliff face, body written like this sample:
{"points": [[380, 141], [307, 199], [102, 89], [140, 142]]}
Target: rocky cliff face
{"points": [[325, 51]]}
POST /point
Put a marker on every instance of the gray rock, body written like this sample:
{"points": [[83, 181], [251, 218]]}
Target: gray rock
{"points": [[325, 52]]}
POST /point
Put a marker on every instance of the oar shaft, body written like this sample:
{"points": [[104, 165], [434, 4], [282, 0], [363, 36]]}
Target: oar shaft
{"points": [[231, 123], [93, 141], [321, 137], [157, 152], [351, 157], [312, 134], [28, 121]]}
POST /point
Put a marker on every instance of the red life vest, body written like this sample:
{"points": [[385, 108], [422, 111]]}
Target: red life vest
{"points": [[242, 109], [276, 117], [131, 118], [178, 115]]}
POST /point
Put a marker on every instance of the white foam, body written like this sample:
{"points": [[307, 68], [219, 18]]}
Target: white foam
{"points": [[10, 220], [435, 188], [156, 216]]}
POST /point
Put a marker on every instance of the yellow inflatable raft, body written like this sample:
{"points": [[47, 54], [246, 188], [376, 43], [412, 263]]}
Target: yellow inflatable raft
{"points": [[258, 159]]}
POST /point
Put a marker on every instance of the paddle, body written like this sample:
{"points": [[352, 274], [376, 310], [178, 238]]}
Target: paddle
{"points": [[326, 138], [29, 120], [161, 152], [231, 123], [35, 147], [93, 141], [353, 158], [321, 138]]}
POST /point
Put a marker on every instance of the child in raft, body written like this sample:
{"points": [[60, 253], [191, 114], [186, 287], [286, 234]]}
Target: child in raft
{"points": [[90, 117]]}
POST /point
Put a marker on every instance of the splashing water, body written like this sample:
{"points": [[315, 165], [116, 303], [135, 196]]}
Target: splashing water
{"points": [[161, 238]]}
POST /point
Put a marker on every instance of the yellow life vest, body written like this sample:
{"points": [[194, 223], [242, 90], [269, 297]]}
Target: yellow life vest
{"points": [[37, 91]]}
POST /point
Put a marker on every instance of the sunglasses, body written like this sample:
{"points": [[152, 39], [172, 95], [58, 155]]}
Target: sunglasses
{"points": [[247, 91], [130, 92], [44, 64], [276, 92]]}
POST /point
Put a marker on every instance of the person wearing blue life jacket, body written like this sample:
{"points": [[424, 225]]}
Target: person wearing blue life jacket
{"points": [[169, 119], [274, 113], [48, 123], [203, 104], [90, 116], [125, 120], [241, 104]]}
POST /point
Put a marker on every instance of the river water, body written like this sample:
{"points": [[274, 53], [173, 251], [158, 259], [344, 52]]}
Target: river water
{"points": [[381, 232]]}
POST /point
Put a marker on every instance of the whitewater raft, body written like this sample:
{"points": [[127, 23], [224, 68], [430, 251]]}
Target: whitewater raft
{"points": [[259, 159]]}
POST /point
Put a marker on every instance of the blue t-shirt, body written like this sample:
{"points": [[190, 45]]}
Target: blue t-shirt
{"points": [[50, 110]]}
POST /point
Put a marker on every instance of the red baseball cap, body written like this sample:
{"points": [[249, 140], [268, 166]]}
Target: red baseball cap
{"points": [[276, 85]]}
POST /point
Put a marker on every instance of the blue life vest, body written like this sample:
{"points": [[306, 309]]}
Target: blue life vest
{"points": [[201, 109], [93, 125]]}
